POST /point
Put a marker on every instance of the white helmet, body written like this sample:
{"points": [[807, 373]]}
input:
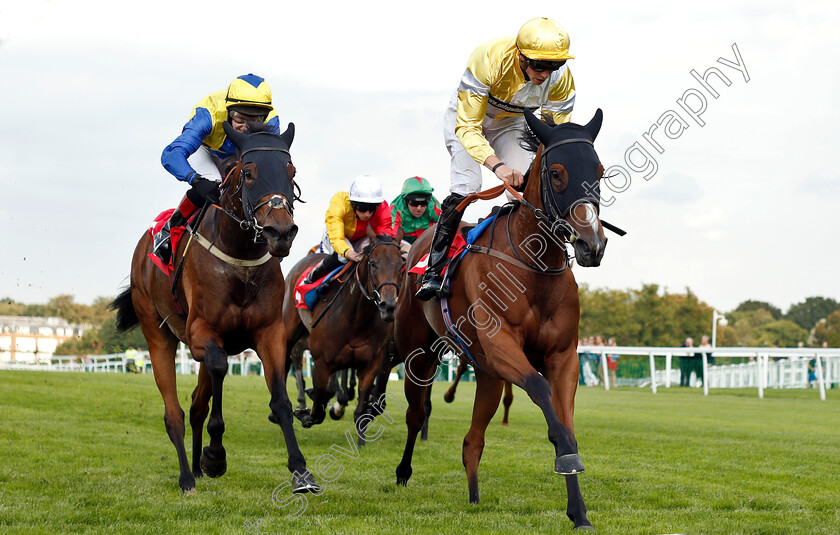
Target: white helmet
{"points": [[367, 189]]}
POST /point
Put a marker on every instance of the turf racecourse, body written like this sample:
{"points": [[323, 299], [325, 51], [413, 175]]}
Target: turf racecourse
{"points": [[87, 453]]}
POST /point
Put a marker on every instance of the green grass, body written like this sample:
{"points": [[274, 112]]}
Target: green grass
{"points": [[87, 453]]}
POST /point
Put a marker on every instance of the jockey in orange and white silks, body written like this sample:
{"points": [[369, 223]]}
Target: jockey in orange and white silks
{"points": [[194, 155], [484, 120], [347, 220]]}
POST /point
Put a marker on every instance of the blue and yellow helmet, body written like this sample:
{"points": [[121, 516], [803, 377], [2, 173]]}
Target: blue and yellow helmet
{"points": [[249, 94]]}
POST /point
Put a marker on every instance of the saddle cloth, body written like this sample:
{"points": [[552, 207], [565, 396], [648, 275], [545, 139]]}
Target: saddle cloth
{"points": [[175, 234], [458, 246], [306, 295]]}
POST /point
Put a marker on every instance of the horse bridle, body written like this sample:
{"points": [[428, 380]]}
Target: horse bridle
{"points": [[276, 201], [376, 297]]}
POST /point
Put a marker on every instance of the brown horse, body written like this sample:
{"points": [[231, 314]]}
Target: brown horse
{"points": [[349, 329], [449, 396], [225, 301], [514, 305]]}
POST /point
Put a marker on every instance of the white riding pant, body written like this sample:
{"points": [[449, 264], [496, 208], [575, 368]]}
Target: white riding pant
{"points": [[503, 135], [204, 163], [327, 248]]}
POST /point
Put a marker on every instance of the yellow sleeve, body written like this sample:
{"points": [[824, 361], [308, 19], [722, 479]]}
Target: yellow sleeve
{"points": [[335, 221], [481, 73], [561, 99]]}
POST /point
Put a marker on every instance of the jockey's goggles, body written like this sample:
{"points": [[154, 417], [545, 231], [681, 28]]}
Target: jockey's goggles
{"points": [[418, 202], [544, 65], [364, 207]]}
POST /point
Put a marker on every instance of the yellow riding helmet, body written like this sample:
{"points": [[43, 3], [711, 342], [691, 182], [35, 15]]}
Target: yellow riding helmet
{"points": [[249, 90], [543, 39]]}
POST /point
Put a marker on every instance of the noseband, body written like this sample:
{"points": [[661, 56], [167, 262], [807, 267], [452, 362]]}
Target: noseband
{"points": [[376, 297]]}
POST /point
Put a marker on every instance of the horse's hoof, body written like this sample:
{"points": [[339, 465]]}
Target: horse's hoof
{"points": [[585, 527], [187, 484], [505, 424], [403, 475], [304, 483], [447, 398], [306, 421], [568, 465], [213, 466], [362, 442], [337, 411]]}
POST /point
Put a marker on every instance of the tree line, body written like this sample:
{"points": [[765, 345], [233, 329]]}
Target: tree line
{"points": [[648, 316]]}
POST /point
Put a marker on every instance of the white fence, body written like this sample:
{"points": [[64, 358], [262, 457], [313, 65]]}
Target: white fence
{"points": [[788, 369]]}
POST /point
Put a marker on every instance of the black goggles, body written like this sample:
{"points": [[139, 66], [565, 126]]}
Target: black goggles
{"points": [[364, 207], [544, 65], [418, 202]]}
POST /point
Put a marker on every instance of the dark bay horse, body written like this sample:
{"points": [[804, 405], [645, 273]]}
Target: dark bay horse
{"points": [[514, 305], [349, 329], [226, 301]]}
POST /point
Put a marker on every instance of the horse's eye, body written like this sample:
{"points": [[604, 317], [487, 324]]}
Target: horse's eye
{"points": [[372, 265], [246, 172], [555, 175]]}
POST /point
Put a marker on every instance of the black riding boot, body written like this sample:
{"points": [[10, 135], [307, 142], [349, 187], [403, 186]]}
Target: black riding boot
{"points": [[162, 246], [324, 267], [431, 281]]}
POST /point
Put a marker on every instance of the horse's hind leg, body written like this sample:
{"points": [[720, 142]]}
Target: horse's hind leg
{"points": [[162, 354], [507, 401], [449, 396], [214, 458], [199, 410], [427, 404], [488, 391]]}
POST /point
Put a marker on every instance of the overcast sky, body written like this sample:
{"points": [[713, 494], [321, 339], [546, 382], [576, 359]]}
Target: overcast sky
{"points": [[743, 207]]}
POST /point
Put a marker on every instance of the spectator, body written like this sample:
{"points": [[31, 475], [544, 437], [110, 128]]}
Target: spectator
{"points": [[686, 363], [612, 362], [599, 341], [698, 361]]}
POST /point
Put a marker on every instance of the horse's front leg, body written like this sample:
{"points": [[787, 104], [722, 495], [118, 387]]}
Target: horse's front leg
{"points": [[199, 409], [562, 370], [365, 408], [271, 349], [214, 458], [320, 394], [488, 391]]}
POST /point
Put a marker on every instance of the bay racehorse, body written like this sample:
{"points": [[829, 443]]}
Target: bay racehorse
{"points": [[449, 395], [225, 301], [350, 327], [514, 304]]}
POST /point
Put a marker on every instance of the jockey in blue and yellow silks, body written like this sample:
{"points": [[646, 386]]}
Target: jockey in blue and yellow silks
{"points": [[485, 120], [194, 155]]}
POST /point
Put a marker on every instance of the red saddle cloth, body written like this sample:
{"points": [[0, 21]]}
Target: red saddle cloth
{"points": [[174, 235], [457, 246], [302, 289]]}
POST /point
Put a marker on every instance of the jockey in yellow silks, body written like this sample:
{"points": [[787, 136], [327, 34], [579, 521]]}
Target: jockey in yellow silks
{"points": [[193, 156], [347, 220], [484, 120]]}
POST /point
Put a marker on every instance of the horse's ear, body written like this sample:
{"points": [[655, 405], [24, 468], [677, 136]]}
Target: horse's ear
{"points": [[289, 135], [539, 128], [594, 126], [400, 235], [371, 234], [238, 138]]}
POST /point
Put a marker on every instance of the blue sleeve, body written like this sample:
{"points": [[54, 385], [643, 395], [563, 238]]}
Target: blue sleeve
{"points": [[174, 157], [273, 125]]}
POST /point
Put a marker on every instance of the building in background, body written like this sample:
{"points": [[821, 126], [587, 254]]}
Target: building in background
{"points": [[32, 339]]}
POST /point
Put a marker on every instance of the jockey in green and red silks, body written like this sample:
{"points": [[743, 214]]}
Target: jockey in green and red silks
{"points": [[415, 209], [194, 155]]}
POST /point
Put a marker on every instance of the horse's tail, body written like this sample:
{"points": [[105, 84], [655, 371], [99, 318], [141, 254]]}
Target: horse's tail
{"points": [[126, 316]]}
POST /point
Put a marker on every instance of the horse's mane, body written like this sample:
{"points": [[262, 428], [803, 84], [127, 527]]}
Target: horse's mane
{"points": [[528, 140], [379, 237]]}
